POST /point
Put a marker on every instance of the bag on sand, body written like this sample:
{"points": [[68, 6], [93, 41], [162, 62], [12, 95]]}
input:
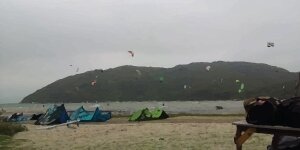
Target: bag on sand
{"points": [[270, 111], [286, 143], [262, 110], [290, 111]]}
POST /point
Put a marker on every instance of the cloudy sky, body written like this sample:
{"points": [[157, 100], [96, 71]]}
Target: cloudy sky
{"points": [[39, 40]]}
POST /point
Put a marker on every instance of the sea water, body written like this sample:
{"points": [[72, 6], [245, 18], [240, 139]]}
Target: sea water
{"points": [[171, 107]]}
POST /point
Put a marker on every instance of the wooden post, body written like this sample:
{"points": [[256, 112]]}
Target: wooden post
{"points": [[240, 138], [236, 137]]}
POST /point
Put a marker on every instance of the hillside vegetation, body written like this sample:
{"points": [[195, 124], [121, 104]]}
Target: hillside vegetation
{"points": [[182, 82]]}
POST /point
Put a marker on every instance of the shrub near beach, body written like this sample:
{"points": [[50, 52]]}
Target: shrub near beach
{"points": [[8, 128]]}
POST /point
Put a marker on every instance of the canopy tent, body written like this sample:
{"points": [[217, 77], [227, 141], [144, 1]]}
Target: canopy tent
{"points": [[87, 116], [54, 115], [145, 114]]}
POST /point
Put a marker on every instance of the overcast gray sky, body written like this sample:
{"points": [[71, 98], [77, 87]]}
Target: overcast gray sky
{"points": [[39, 39]]}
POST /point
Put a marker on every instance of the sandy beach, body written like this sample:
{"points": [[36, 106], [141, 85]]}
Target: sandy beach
{"points": [[183, 132]]}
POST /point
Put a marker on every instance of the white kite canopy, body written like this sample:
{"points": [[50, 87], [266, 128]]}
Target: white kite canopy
{"points": [[93, 82], [138, 72], [208, 68]]}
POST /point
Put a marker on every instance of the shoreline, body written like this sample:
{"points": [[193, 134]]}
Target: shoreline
{"points": [[127, 108]]}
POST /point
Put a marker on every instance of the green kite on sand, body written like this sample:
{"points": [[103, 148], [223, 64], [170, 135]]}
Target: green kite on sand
{"points": [[145, 114]]}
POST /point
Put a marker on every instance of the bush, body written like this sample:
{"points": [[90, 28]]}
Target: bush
{"points": [[7, 128]]}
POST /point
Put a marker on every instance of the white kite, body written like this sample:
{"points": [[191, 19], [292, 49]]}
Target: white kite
{"points": [[208, 68], [93, 82], [138, 72]]}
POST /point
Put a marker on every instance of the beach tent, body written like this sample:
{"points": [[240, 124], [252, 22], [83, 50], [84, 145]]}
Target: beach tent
{"points": [[145, 114], [54, 115], [86, 116]]}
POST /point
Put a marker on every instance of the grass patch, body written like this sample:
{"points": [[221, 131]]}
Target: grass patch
{"points": [[2, 111], [8, 143], [5, 141], [8, 128]]}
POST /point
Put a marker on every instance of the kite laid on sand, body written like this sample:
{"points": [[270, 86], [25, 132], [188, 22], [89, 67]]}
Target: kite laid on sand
{"points": [[54, 126]]}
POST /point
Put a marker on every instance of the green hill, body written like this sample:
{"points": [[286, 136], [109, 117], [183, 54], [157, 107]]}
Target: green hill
{"points": [[183, 82]]}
